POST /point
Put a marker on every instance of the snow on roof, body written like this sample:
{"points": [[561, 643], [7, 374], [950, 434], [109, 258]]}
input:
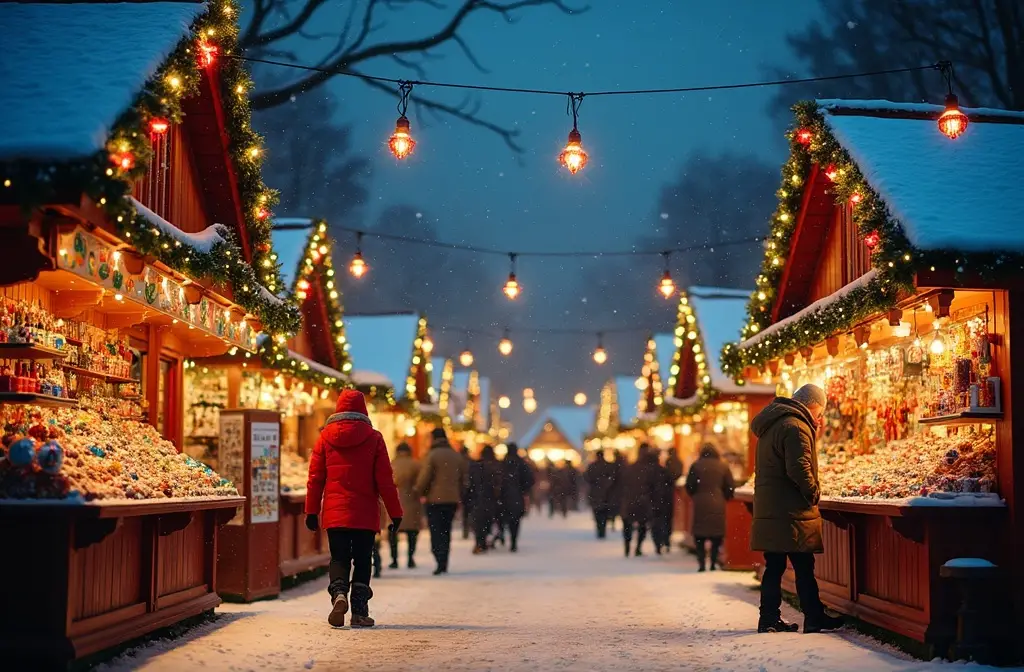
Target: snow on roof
{"points": [[664, 351], [289, 244], [720, 314], [628, 399], [368, 378], [485, 403], [923, 109], [202, 241], [70, 70], [383, 344], [317, 366], [572, 422], [947, 194]]}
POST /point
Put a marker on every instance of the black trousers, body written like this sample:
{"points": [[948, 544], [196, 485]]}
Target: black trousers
{"points": [[806, 585], [627, 533], [601, 514], [512, 523], [411, 536], [351, 558], [481, 530], [716, 544], [439, 520]]}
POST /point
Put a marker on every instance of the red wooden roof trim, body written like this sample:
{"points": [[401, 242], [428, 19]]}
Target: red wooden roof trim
{"points": [[794, 244], [212, 81]]}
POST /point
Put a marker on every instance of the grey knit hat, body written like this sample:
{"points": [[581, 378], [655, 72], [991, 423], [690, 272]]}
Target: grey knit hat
{"points": [[809, 395]]}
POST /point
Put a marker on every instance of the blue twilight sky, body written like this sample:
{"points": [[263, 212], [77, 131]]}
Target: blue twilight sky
{"points": [[478, 192]]}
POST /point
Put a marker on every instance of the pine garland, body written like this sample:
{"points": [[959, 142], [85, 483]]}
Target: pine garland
{"points": [[688, 337], [107, 176]]}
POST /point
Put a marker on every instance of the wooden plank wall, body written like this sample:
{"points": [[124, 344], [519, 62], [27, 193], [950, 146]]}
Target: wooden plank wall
{"points": [[833, 565], [109, 575], [171, 186], [181, 559], [895, 568], [844, 258]]}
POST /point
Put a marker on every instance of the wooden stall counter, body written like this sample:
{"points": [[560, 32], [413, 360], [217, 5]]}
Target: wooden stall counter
{"points": [[301, 550], [91, 576], [882, 559]]}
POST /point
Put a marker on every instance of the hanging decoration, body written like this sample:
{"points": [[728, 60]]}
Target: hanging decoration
{"points": [[952, 122], [504, 345], [574, 157], [667, 286], [401, 143], [358, 267], [512, 287], [466, 356], [600, 355], [580, 399]]}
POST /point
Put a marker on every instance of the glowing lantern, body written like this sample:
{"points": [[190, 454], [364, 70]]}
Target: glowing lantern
{"points": [[872, 240], [580, 399], [207, 53], [401, 143], [466, 358], [600, 356], [158, 126], [856, 198], [123, 160], [512, 287], [504, 402], [573, 157], [358, 267], [804, 136], [831, 172], [505, 346], [952, 122], [667, 286]]}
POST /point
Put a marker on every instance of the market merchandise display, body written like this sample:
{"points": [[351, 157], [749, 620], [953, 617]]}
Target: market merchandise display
{"points": [[78, 453], [24, 322], [294, 472]]}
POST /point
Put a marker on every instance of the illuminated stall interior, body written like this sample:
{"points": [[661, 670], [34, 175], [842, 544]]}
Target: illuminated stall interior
{"points": [[392, 345], [702, 404], [616, 427], [558, 435]]}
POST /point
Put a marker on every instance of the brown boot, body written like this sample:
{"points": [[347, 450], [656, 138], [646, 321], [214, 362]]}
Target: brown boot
{"points": [[361, 595], [338, 611]]}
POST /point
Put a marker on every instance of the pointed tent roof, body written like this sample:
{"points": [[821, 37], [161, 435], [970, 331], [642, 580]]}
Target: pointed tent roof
{"points": [[720, 313], [384, 344], [574, 423], [915, 189], [627, 399], [290, 237]]}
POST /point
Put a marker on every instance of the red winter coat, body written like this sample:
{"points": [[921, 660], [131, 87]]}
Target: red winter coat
{"points": [[349, 471]]}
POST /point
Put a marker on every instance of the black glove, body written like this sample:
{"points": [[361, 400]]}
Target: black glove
{"points": [[312, 522], [395, 524]]}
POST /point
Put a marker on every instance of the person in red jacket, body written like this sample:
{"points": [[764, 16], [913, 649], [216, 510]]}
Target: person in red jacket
{"points": [[349, 474]]}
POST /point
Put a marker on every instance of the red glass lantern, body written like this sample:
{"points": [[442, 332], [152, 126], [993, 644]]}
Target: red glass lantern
{"points": [[158, 126], [952, 122], [856, 198], [872, 240], [401, 143], [573, 157], [123, 160], [831, 172], [207, 53]]}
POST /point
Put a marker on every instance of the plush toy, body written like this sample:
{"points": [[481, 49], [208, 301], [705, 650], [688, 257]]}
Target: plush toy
{"points": [[50, 457], [22, 452]]}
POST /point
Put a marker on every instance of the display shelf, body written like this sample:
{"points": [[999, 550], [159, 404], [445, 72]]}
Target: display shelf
{"points": [[34, 399], [962, 418], [73, 341], [29, 351], [115, 508], [107, 377]]}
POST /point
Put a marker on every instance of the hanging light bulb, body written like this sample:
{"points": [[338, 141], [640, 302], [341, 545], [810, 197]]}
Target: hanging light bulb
{"points": [[505, 345], [358, 266], [504, 401], [667, 286], [401, 143], [528, 392], [580, 399], [466, 357], [938, 346], [428, 345], [573, 156], [600, 355], [952, 122], [512, 287], [529, 404]]}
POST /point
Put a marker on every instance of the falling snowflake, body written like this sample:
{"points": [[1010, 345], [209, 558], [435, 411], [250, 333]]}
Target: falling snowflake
{"points": [[664, 215], [851, 24], [419, 215]]}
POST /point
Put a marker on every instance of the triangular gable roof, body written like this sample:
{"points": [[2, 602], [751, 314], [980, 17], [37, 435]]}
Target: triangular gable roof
{"points": [[82, 81], [627, 398], [911, 189], [664, 351], [573, 423], [388, 345], [290, 238], [720, 313]]}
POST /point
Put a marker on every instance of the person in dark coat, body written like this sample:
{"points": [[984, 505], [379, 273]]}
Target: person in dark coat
{"points": [[663, 500], [558, 493], [572, 480], [442, 482], [466, 513], [407, 471], [349, 475], [674, 467], [642, 482], [516, 484], [710, 485], [601, 477], [484, 493], [786, 518], [615, 495]]}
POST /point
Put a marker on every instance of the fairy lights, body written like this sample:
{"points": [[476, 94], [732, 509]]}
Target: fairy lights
{"points": [[573, 156], [401, 142]]}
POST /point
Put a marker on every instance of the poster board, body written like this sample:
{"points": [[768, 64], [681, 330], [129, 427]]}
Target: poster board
{"points": [[231, 457], [265, 462]]}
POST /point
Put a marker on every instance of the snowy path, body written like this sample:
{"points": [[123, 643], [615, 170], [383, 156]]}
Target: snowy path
{"points": [[565, 602]]}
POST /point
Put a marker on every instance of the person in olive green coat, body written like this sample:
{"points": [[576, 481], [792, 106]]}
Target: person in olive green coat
{"points": [[709, 484], [786, 518], [407, 470], [442, 482]]}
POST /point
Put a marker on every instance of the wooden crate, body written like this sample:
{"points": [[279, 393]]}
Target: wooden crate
{"points": [[80, 579]]}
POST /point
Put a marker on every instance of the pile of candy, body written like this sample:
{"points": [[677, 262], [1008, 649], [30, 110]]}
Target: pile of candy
{"points": [[51, 454], [294, 471], [915, 466]]}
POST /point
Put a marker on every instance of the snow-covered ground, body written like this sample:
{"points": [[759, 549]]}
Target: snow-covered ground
{"points": [[565, 602]]}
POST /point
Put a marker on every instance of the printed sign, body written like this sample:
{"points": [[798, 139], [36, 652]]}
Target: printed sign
{"points": [[265, 445], [231, 456], [87, 256]]}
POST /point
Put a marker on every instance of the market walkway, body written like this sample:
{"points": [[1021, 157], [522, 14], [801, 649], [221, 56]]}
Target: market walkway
{"points": [[566, 602]]}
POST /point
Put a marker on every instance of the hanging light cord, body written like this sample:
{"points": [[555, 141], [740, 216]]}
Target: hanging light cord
{"points": [[746, 240], [579, 96], [572, 106], [404, 91]]}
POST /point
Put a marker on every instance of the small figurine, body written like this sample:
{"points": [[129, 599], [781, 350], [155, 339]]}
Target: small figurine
{"points": [[22, 452], [50, 457]]}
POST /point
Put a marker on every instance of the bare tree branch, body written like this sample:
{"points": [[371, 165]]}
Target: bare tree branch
{"points": [[406, 63], [290, 28], [469, 54]]}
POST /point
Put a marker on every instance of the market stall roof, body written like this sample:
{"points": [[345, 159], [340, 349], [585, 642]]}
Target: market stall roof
{"points": [[935, 187], [290, 236], [370, 379], [572, 422], [383, 344], [436, 377], [628, 399], [720, 313], [70, 70], [485, 404], [665, 350], [316, 366]]}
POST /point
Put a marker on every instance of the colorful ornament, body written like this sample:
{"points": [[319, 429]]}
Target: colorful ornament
{"points": [[22, 452], [50, 457]]}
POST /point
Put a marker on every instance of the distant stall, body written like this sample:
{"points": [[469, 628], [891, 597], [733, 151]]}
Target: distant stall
{"points": [[616, 423], [703, 405], [559, 435], [893, 281]]}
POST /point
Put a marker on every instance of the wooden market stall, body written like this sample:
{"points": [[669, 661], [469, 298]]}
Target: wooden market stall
{"points": [[559, 435], [115, 273], [392, 348], [893, 280], [616, 423], [299, 376], [703, 405]]}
